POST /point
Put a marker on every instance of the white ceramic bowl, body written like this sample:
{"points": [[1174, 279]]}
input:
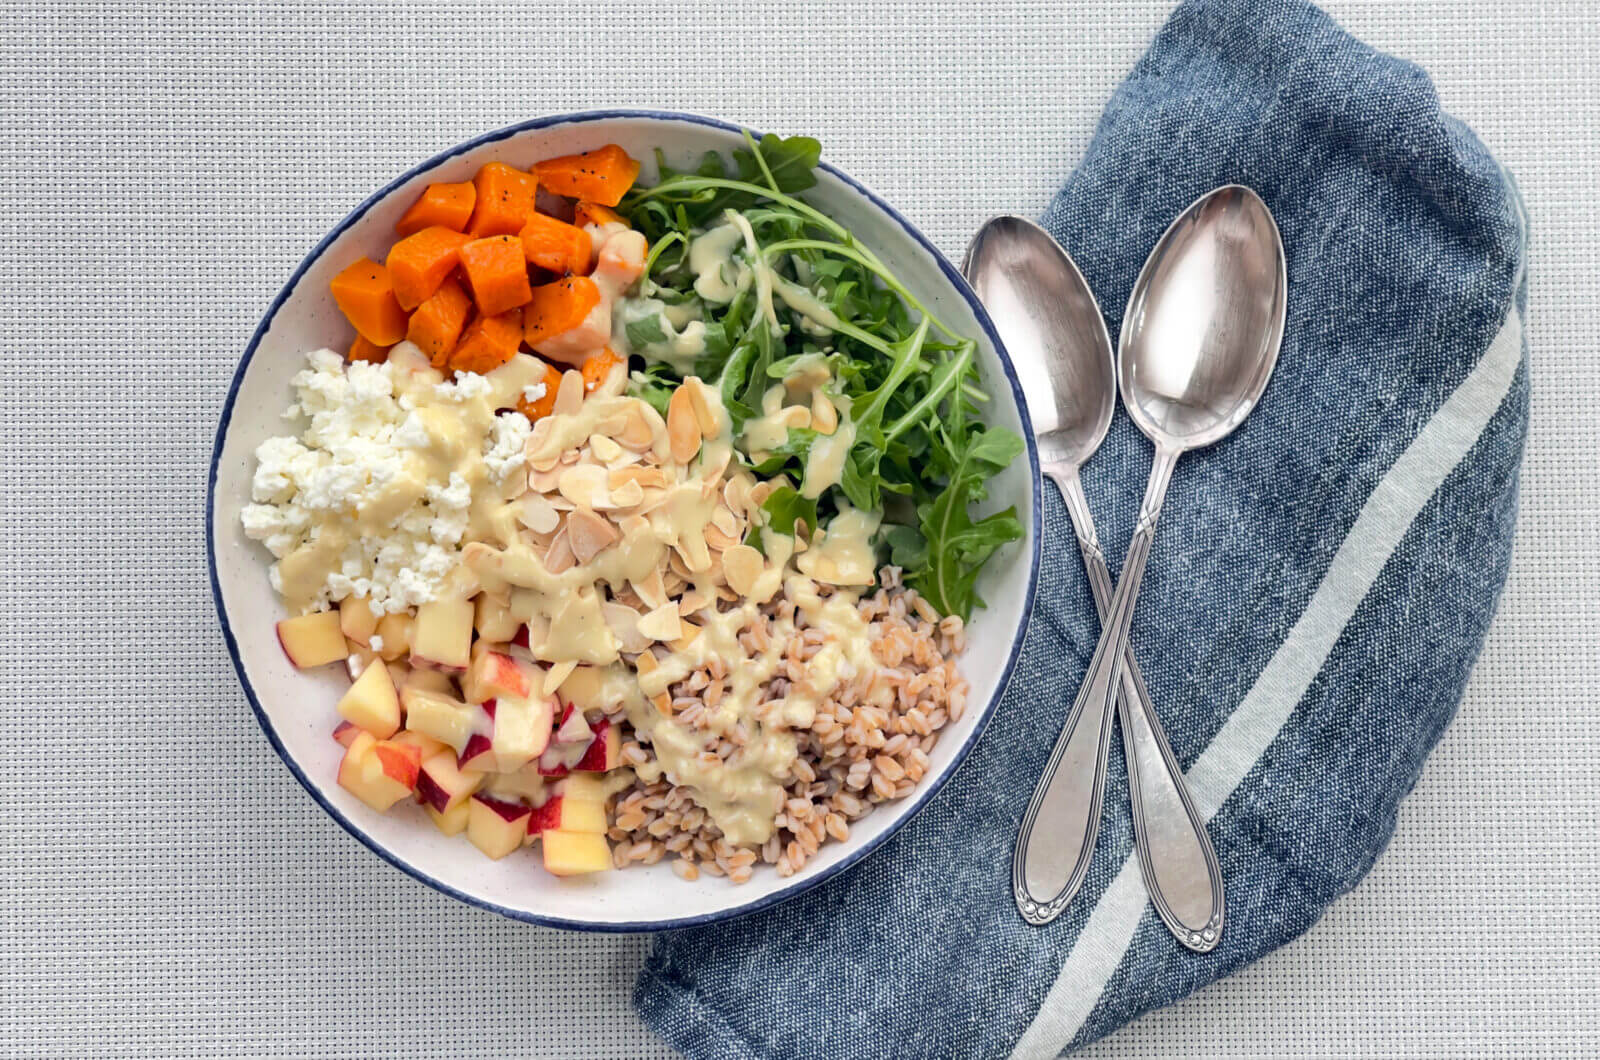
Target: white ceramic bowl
{"points": [[296, 708]]}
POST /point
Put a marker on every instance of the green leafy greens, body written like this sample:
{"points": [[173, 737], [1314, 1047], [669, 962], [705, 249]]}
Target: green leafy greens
{"points": [[802, 287]]}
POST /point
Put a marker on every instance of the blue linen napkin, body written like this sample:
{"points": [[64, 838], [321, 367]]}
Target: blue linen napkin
{"points": [[1320, 585]]}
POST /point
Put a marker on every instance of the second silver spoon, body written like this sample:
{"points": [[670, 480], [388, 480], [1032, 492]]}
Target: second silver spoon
{"points": [[1053, 328]]}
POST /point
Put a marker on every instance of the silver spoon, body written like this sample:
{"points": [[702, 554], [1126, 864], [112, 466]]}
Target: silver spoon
{"points": [[1199, 341], [1057, 339]]}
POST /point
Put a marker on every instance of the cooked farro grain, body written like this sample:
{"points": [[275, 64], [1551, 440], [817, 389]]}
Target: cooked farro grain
{"points": [[853, 755]]}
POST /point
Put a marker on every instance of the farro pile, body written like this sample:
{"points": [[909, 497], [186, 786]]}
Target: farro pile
{"points": [[852, 757]]}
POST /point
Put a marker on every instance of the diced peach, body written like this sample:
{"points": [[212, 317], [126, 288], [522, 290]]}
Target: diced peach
{"points": [[605, 753], [395, 630], [367, 775], [478, 755], [372, 703], [402, 763], [496, 828], [521, 731], [493, 619], [443, 785], [357, 619], [439, 715], [494, 674], [452, 821], [346, 734], [359, 658], [427, 745], [431, 681], [563, 813], [442, 635], [525, 785], [312, 640], [575, 853]]}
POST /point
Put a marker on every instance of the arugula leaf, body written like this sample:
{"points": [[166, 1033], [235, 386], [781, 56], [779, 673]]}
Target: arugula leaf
{"points": [[785, 507], [646, 331]]}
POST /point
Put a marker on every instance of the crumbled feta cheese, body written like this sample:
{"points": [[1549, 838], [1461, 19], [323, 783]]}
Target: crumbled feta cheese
{"points": [[533, 393], [467, 385], [375, 643], [508, 449]]}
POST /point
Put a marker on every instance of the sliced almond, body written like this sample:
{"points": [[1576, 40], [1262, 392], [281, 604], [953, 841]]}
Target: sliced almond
{"points": [[544, 481], [824, 417], [628, 598], [704, 413], [663, 704], [741, 565], [761, 491], [683, 430], [680, 569], [692, 601], [645, 663], [726, 521], [556, 675], [624, 624], [645, 476], [614, 424], [544, 463], [559, 557], [603, 448], [629, 496], [661, 624], [736, 493], [716, 462], [651, 590], [639, 433], [569, 395], [718, 540], [589, 534], [633, 525], [584, 485], [535, 513], [696, 554], [689, 632]]}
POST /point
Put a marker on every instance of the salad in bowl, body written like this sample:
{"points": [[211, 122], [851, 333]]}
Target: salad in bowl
{"points": [[645, 513]]}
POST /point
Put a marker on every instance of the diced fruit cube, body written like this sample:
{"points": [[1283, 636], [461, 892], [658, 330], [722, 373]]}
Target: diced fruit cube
{"points": [[379, 778], [605, 752], [494, 620], [372, 703], [395, 630], [357, 619], [441, 637], [452, 821], [496, 828], [575, 853], [443, 785], [439, 715], [423, 743], [345, 733], [431, 681], [521, 731], [525, 785], [478, 755], [494, 674], [312, 640], [563, 813], [359, 658]]}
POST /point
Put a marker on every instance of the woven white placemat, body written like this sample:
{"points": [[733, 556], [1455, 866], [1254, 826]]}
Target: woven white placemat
{"points": [[166, 889]]}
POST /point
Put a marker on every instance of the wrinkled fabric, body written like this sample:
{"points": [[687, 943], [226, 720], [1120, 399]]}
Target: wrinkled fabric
{"points": [[1338, 558]]}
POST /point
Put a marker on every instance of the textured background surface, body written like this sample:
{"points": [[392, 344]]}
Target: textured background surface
{"points": [[167, 889]]}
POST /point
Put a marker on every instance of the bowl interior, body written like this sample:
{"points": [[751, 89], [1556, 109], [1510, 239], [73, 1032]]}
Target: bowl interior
{"points": [[296, 708]]}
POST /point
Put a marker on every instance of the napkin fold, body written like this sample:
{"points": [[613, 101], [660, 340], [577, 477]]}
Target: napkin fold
{"points": [[1320, 585]]}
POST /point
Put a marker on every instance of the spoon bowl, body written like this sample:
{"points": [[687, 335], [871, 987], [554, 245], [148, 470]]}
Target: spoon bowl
{"points": [[1043, 306], [1201, 334]]}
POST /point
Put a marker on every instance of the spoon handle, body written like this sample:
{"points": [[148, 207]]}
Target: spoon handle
{"points": [[1056, 840], [1180, 866]]}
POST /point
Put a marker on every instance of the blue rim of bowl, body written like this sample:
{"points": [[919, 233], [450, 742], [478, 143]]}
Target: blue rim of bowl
{"points": [[802, 883]]}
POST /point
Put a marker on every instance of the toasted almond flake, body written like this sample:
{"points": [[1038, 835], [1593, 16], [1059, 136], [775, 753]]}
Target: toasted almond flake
{"points": [[696, 554], [624, 623], [629, 496], [543, 464], [699, 401], [614, 424], [589, 534], [718, 540], [633, 525], [628, 598], [663, 704], [673, 583], [661, 624], [569, 395], [683, 431], [692, 601], [559, 503], [583, 485], [645, 663], [644, 476], [604, 449], [638, 434], [689, 632], [571, 456], [824, 417], [535, 513], [726, 521], [559, 558], [741, 565], [736, 493], [676, 564], [762, 490], [556, 675], [650, 590]]}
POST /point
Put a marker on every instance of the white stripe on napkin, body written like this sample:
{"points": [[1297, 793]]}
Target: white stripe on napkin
{"points": [[1388, 513]]}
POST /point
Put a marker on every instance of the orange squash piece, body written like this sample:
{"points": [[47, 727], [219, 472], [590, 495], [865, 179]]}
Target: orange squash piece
{"points": [[497, 272], [598, 366], [538, 410], [362, 350], [603, 175], [505, 200], [555, 245], [557, 307], [488, 342], [592, 213], [445, 205], [419, 263], [436, 325], [365, 296]]}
